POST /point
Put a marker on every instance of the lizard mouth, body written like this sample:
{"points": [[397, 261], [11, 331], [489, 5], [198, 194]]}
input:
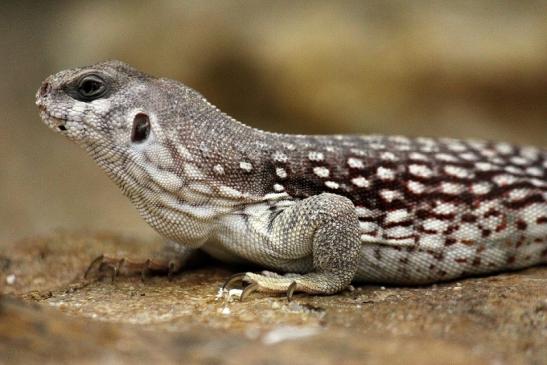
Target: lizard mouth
{"points": [[53, 121]]}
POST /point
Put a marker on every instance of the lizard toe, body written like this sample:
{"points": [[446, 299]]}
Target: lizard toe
{"points": [[232, 280]]}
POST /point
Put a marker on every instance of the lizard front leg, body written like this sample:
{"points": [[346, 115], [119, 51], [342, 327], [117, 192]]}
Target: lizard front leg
{"points": [[322, 229]]}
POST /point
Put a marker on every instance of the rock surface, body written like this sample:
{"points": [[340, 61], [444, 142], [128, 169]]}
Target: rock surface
{"points": [[49, 314]]}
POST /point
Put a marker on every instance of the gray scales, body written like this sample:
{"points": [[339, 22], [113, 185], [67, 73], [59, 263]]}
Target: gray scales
{"points": [[321, 212]]}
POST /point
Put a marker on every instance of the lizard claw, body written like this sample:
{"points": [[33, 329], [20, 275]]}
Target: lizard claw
{"points": [[247, 291], [233, 279], [116, 269], [101, 262], [171, 271], [94, 262], [290, 291], [145, 271], [255, 285], [240, 278]]}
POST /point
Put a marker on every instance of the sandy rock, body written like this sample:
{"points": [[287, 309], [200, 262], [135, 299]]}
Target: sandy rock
{"points": [[50, 314]]}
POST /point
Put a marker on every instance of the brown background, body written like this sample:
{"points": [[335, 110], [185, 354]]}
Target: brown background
{"points": [[445, 68]]}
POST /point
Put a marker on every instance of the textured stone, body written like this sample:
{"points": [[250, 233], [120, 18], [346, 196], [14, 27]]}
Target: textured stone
{"points": [[51, 315]]}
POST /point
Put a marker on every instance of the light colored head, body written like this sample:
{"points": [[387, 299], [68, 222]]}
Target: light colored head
{"points": [[121, 116], [109, 102], [133, 125]]}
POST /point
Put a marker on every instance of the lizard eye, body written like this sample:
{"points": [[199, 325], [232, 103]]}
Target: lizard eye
{"points": [[141, 128], [91, 87]]}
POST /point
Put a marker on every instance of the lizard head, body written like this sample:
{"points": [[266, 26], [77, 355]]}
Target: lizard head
{"points": [[120, 115], [115, 112], [100, 104]]}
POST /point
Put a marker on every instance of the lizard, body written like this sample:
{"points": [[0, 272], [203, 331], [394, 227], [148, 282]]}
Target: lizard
{"points": [[319, 212]]}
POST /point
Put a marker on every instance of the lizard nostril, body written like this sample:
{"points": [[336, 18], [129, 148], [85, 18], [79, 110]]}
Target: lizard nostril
{"points": [[45, 89]]}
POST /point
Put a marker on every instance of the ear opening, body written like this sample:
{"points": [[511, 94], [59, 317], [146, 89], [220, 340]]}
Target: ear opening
{"points": [[141, 128]]}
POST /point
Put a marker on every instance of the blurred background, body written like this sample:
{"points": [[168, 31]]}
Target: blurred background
{"points": [[468, 69]]}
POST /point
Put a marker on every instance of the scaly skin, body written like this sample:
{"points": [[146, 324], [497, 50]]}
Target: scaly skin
{"points": [[328, 210]]}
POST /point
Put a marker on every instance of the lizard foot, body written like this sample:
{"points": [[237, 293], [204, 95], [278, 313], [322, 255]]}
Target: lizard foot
{"points": [[114, 265], [268, 282]]}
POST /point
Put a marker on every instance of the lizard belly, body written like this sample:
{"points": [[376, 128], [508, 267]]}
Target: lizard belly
{"points": [[220, 251], [245, 236]]}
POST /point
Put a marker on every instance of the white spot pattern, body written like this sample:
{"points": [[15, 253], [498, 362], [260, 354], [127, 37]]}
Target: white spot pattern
{"points": [[388, 156], [390, 195], [245, 166], [385, 173], [420, 170], [355, 163], [481, 188], [398, 215], [452, 188], [281, 172], [504, 179], [418, 156], [280, 157], [316, 156], [415, 187], [360, 182], [278, 187], [321, 171], [457, 171], [218, 169]]}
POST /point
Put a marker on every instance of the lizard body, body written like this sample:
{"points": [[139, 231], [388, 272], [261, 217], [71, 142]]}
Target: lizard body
{"points": [[327, 210]]}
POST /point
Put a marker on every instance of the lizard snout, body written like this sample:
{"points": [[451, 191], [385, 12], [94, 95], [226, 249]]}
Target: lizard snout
{"points": [[44, 89], [43, 92]]}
